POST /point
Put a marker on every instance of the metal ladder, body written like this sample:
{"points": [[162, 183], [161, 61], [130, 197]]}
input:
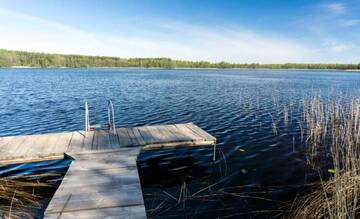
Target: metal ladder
{"points": [[111, 119]]}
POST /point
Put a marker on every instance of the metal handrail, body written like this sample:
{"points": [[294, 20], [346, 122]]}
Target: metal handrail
{"points": [[111, 116], [87, 118]]}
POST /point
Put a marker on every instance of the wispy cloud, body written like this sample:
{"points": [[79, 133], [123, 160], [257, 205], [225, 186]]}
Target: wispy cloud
{"points": [[177, 40], [349, 22], [181, 40], [335, 8], [336, 46]]}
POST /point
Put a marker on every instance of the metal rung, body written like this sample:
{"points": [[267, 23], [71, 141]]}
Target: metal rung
{"points": [[111, 119]]}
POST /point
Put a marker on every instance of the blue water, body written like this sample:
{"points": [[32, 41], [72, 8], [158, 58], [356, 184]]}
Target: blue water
{"points": [[236, 106]]}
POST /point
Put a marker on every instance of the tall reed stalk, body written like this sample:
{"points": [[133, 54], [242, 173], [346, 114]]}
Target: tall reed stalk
{"points": [[333, 139], [18, 197]]}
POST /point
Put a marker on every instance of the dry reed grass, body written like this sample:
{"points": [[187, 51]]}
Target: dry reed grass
{"points": [[336, 198], [18, 196], [333, 137]]}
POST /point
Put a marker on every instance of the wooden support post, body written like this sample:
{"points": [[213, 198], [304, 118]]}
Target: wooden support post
{"points": [[214, 151]]}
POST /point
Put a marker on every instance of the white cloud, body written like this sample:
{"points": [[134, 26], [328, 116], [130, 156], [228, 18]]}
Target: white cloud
{"points": [[350, 22], [335, 8], [336, 46], [181, 41], [171, 39]]}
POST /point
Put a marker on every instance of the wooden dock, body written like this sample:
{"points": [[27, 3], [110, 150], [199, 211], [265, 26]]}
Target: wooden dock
{"points": [[102, 181]]}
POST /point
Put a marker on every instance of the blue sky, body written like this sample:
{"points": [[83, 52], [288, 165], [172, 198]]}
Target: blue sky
{"points": [[263, 31]]}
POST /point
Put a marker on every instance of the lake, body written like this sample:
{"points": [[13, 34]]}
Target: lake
{"points": [[254, 114]]}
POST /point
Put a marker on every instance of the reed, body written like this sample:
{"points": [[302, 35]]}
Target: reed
{"points": [[18, 197], [286, 116], [273, 125], [333, 139]]}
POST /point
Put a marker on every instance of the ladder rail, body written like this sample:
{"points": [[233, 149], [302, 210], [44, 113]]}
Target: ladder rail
{"points": [[111, 116], [87, 118]]}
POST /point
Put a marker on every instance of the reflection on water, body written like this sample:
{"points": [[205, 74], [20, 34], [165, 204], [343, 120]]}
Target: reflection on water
{"points": [[182, 183], [254, 114]]}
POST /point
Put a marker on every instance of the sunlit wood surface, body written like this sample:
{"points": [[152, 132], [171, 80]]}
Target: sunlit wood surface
{"points": [[102, 181]]}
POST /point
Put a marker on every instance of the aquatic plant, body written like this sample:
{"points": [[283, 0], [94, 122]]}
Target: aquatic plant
{"points": [[286, 116], [335, 198], [333, 141], [18, 196], [273, 125]]}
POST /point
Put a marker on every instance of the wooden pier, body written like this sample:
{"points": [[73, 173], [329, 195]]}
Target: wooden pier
{"points": [[102, 181]]}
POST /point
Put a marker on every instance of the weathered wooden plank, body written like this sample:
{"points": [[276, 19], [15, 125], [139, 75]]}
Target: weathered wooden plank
{"points": [[50, 144], [129, 212], [93, 178], [166, 133], [5, 147], [92, 200], [67, 190], [146, 135], [101, 140], [138, 136], [8, 150], [98, 186], [114, 140], [174, 134], [18, 144], [201, 132], [103, 174], [77, 142], [106, 155], [5, 140], [159, 137], [188, 132], [103, 188], [133, 139], [94, 143], [123, 162], [42, 147], [123, 136], [62, 143], [30, 159], [178, 133], [53, 216], [108, 187], [96, 166], [178, 144], [206, 135], [88, 141], [33, 146]]}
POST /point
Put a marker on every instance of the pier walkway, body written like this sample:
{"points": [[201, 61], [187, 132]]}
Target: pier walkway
{"points": [[102, 180]]}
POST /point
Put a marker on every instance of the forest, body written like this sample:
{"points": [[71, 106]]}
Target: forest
{"points": [[9, 58]]}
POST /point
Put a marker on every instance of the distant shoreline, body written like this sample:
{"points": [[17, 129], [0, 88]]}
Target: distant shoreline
{"points": [[180, 68], [22, 59]]}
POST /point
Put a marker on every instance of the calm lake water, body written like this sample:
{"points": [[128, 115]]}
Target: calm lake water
{"points": [[257, 172]]}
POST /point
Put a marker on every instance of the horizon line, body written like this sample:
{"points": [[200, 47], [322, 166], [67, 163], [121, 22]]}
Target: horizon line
{"points": [[181, 60]]}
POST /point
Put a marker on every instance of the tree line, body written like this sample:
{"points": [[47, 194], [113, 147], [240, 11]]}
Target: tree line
{"points": [[10, 58]]}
